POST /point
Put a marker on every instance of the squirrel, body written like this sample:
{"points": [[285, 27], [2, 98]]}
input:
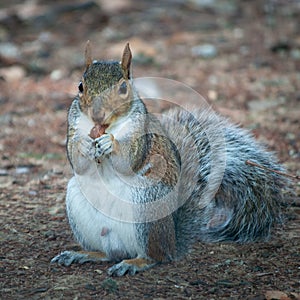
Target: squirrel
{"points": [[137, 161]]}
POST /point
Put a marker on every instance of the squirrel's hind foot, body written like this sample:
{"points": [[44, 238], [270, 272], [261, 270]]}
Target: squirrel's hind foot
{"points": [[66, 258], [130, 266]]}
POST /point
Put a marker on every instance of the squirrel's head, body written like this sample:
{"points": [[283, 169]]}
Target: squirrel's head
{"points": [[105, 91]]}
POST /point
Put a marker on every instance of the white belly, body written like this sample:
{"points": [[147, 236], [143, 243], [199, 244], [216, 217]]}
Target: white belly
{"points": [[99, 203], [99, 229]]}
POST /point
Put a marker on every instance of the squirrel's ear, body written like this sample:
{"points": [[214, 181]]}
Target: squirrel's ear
{"points": [[88, 54], [126, 61]]}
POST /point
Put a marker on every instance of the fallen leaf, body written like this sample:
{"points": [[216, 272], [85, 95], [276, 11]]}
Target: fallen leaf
{"points": [[276, 295]]}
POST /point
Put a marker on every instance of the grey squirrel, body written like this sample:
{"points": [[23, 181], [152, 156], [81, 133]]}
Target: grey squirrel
{"points": [[120, 151]]}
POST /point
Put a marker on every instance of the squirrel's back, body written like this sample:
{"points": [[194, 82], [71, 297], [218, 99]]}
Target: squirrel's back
{"points": [[229, 200]]}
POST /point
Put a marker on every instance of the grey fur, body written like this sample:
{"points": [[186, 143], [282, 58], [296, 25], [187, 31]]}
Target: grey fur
{"points": [[205, 191], [248, 196]]}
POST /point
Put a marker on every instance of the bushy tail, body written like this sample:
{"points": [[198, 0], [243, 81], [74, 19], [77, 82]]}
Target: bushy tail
{"points": [[249, 196], [247, 199]]}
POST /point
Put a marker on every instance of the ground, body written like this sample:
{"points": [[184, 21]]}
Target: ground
{"points": [[250, 72]]}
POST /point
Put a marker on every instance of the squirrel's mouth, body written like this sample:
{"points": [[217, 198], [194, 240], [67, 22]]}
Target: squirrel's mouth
{"points": [[98, 120], [97, 116]]}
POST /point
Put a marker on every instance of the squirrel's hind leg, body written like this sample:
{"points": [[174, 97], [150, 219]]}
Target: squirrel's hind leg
{"points": [[130, 266], [66, 258]]}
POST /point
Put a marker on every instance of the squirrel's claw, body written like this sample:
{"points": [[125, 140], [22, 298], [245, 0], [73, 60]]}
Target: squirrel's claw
{"points": [[103, 145], [85, 146], [121, 269], [130, 266], [66, 258]]}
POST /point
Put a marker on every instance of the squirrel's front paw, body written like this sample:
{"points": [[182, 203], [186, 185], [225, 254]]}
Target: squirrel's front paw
{"points": [[103, 145]]}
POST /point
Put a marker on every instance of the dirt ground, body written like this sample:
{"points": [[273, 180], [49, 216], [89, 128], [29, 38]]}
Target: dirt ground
{"points": [[249, 70]]}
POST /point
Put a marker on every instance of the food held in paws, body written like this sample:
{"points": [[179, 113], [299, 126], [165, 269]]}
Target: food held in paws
{"points": [[97, 131]]}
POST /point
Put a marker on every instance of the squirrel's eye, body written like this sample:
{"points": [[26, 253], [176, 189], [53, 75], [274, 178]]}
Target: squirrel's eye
{"points": [[123, 88], [80, 87]]}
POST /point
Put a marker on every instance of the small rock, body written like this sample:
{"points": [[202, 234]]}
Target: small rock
{"points": [[32, 193], [212, 95], [9, 51], [295, 54], [113, 7], [56, 75], [221, 7], [3, 172], [205, 51], [5, 119], [203, 3], [238, 33], [13, 73], [22, 170]]}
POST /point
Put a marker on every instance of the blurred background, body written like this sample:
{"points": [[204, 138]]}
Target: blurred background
{"points": [[242, 56]]}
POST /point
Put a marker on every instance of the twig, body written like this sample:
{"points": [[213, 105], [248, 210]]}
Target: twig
{"points": [[251, 163], [264, 274]]}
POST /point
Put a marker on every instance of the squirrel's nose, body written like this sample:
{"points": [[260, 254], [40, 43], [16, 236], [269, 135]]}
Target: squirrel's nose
{"points": [[97, 112], [98, 119], [97, 115]]}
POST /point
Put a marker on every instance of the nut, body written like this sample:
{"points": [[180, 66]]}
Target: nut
{"points": [[97, 131]]}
